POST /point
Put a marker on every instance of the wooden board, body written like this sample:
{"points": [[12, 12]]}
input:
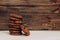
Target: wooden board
{"points": [[36, 14]]}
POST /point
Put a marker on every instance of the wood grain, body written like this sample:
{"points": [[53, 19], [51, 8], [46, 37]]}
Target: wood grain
{"points": [[36, 13]]}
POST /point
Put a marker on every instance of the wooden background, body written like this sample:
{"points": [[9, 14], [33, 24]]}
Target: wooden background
{"points": [[37, 14]]}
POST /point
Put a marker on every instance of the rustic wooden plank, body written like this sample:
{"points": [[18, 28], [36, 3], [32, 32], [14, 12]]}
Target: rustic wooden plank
{"points": [[25, 2], [3, 26], [36, 13], [19, 2]]}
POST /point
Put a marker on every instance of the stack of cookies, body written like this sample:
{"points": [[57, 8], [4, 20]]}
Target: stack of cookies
{"points": [[16, 26]]}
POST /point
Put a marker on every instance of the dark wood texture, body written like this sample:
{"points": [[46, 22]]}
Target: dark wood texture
{"points": [[37, 14]]}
